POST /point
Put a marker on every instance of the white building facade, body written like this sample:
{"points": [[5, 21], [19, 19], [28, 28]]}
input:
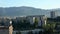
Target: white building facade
{"points": [[40, 18]]}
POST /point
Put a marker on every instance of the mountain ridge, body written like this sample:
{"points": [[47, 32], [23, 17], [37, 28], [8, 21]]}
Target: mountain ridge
{"points": [[24, 10]]}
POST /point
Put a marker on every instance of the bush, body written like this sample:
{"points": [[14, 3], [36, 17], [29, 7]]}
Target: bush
{"points": [[30, 32]]}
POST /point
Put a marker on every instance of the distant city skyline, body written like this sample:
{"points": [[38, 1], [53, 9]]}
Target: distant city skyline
{"points": [[43, 4]]}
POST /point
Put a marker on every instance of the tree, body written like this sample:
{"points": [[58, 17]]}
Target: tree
{"points": [[30, 32], [18, 32], [49, 28], [40, 32], [36, 22]]}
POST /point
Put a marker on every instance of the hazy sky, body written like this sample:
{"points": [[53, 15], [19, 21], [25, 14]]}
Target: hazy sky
{"points": [[44, 4]]}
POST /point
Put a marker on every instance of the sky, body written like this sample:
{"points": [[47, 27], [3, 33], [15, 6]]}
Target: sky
{"points": [[43, 4]]}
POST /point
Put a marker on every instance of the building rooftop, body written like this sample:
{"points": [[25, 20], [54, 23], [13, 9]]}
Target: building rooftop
{"points": [[35, 15]]}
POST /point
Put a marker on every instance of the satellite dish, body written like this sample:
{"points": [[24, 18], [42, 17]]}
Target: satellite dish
{"points": [[10, 22]]}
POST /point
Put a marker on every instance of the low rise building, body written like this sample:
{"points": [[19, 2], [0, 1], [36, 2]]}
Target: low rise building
{"points": [[39, 18], [6, 26]]}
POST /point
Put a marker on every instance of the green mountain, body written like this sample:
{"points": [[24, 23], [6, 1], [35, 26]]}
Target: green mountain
{"points": [[22, 11]]}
